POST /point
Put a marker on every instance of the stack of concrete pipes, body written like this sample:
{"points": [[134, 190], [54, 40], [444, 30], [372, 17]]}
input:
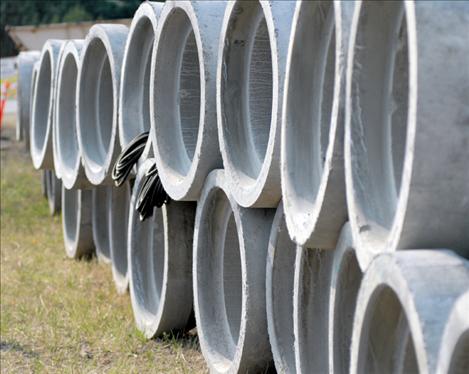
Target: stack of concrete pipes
{"points": [[317, 158]]}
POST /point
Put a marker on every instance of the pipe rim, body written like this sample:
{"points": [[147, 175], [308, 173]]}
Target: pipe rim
{"points": [[246, 189], [217, 361], [133, 86], [67, 158], [178, 160], [282, 347], [373, 236], [99, 145], [41, 138], [304, 204]]}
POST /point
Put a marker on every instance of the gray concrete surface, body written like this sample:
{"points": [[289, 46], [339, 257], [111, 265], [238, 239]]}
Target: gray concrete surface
{"points": [[101, 197], [250, 78], [183, 82]]}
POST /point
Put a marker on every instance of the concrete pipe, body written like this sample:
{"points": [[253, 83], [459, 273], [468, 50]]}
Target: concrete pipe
{"points": [[310, 309], [402, 307], [118, 228], [26, 61], [279, 294], [160, 264], [54, 192], [31, 100], [43, 104], [312, 163], [101, 197], [183, 95], [454, 349], [134, 98], [230, 252], [76, 223], [250, 77], [44, 177], [348, 265], [405, 144], [67, 158], [97, 100]]}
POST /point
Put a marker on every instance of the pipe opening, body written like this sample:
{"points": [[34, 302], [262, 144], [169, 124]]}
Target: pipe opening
{"points": [[460, 359], [42, 102], [100, 220], [386, 344], [232, 278], [70, 215], [247, 89], [310, 97], [380, 100], [349, 276], [120, 203], [148, 262], [177, 96], [96, 103], [66, 116], [136, 84], [220, 280]]}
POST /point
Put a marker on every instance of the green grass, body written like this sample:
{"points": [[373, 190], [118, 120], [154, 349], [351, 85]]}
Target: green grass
{"points": [[60, 315]]}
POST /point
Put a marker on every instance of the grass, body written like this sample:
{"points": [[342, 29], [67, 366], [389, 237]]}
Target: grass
{"points": [[60, 315]]}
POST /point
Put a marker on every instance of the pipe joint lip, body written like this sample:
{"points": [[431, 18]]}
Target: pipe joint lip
{"points": [[230, 251], [67, 158], [407, 295], [98, 98], [312, 163], [183, 95], [43, 106], [134, 109], [249, 85]]}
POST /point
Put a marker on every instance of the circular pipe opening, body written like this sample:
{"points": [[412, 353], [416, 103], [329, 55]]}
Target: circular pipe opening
{"points": [[148, 262], [66, 137], [100, 222], [96, 103], [177, 95], [310, 97], [386, 344], [70, 217], [219, 263], [42, 103], [379, 109], [280, 285], [120, 202], [247, 89], [135, 89]]}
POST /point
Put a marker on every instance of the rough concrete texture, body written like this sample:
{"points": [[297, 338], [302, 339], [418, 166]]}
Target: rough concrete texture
{"points": [[454, 349], [101, 198], [348, 265], [183, 82], [250, 77], [42, 114], [134, 97], [407, 133], [312, 163], [160, 264], [402, 308], [67, 158], [310, 309], [97, 100], [280, 277], [54, 192], [26, 61], [76, 223], [230, 252], [118, 228]]}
